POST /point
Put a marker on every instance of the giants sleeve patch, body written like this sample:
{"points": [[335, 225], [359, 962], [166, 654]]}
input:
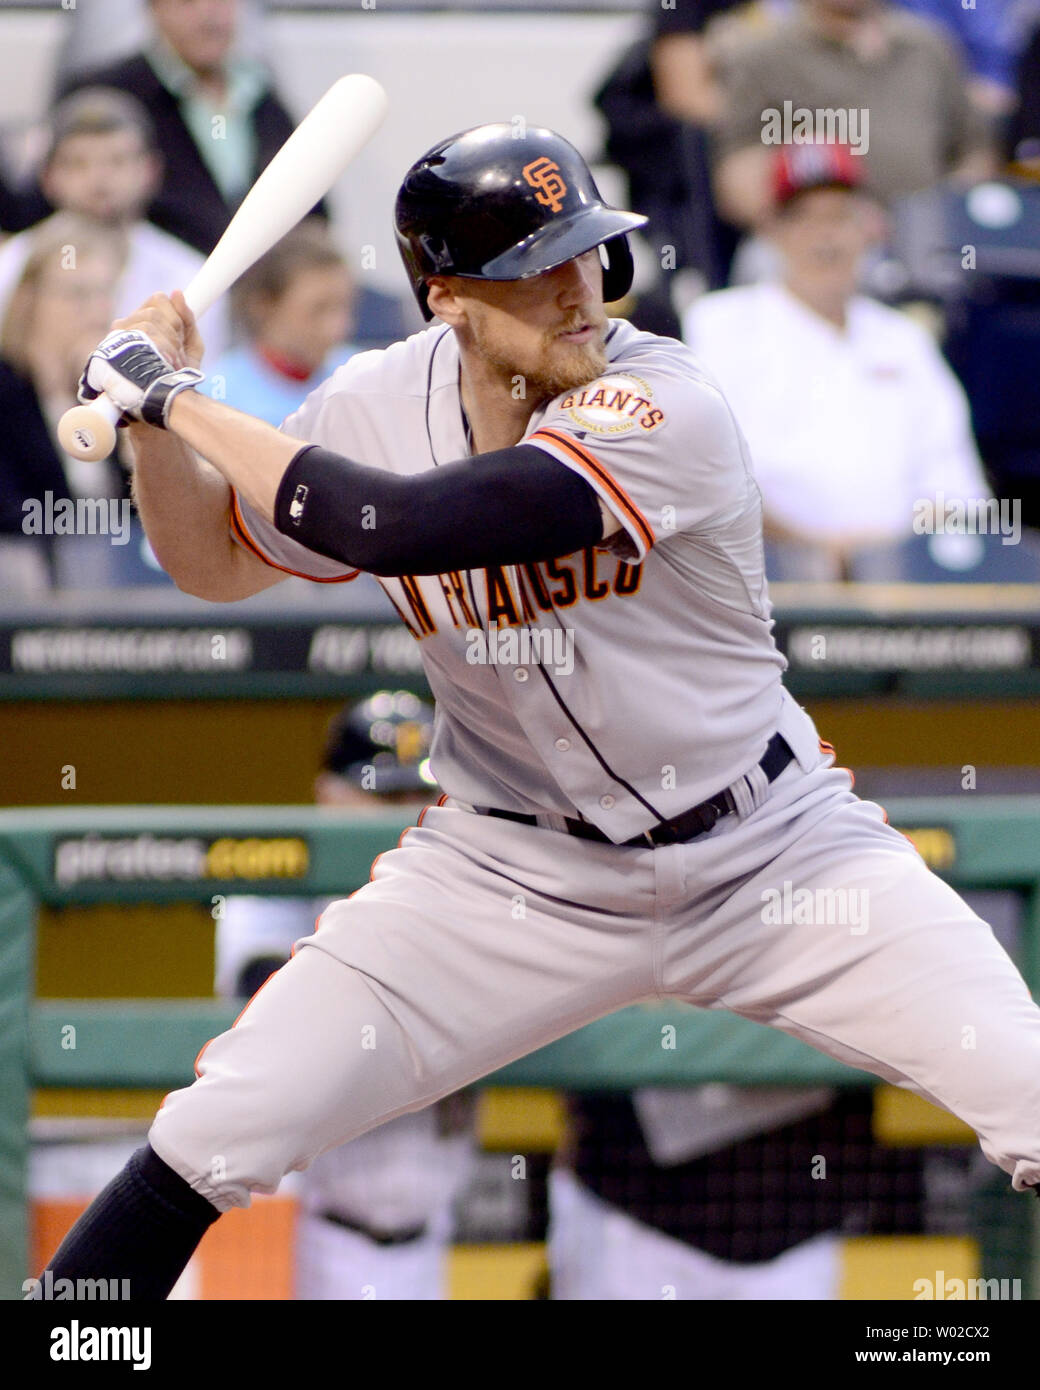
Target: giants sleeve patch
{"points": [[612, 405]]}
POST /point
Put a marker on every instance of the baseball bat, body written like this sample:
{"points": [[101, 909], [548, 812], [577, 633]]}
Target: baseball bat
{"points": [[302, 172]]}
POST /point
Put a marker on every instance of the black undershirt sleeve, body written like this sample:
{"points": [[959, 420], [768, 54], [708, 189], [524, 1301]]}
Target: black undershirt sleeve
{"points": [[508, 507]]}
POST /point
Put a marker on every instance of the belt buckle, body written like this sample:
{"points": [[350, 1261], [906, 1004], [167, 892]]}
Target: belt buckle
{"points": [[665, 834], [708, 814]]}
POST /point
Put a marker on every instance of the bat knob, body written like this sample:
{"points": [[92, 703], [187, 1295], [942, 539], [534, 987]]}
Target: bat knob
{"points": [[86, 432]]}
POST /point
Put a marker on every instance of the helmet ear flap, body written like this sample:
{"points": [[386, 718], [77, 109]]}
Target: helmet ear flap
{"points": [[619, 270], [416, 272]]}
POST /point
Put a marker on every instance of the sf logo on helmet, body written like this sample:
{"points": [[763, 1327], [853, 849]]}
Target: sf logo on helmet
{"points": [[544, 176]]}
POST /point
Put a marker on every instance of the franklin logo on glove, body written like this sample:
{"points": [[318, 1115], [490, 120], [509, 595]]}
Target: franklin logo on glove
{"points": [[129, 368]]}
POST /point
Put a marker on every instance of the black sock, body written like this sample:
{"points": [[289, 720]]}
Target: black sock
{"points": [[143, 1228]]}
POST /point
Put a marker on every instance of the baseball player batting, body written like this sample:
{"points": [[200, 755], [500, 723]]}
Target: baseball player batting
{"points": [[564, 513]]}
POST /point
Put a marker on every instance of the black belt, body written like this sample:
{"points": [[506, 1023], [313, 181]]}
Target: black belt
{"points": [[698, 820]]}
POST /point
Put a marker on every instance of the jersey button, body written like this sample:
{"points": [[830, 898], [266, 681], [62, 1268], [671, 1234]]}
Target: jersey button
{"points": [[562, 745], [520, 674], [607, 802]]}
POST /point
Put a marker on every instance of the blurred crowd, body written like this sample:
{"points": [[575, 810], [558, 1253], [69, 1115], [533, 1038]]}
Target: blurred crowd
{"points": [[143, 164], [844, 226], [844, 204]]}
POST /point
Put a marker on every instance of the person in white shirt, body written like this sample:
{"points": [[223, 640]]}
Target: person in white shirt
{"points": [[850, 410], [102, 165]]}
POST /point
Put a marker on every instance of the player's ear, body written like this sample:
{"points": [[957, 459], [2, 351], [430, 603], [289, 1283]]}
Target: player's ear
{"points": [[443, 300]]}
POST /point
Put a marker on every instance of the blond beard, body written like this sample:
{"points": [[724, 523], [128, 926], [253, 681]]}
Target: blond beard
{"points": [[572, 365]]}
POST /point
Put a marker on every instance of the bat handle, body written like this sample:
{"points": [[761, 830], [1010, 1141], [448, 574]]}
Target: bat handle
{"points": [[89, 431]]}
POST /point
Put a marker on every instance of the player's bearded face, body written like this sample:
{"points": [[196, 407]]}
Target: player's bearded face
{"points": [[548, 331]]}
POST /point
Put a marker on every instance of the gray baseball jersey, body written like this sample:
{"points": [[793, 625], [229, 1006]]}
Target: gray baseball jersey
{"points": [[639, 677]]}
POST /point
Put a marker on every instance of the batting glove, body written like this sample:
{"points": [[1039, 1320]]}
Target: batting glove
{"points": [[131, 371]]}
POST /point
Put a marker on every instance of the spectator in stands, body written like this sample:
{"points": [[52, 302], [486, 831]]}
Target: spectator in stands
{"points": [[96, 34], [992, 35], [685, 76], [658, 101], [895, 80], [59, 309], [217, 120], [102, 165], [1023, 136], [294, 307], [851, 413]]}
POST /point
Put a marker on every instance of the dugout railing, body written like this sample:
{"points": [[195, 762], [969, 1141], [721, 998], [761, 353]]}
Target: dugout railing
{"points": [[65, 858]]}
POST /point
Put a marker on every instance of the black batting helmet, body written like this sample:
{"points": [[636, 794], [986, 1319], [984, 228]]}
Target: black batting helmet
{"points": [[495, 204], [382, 745]]}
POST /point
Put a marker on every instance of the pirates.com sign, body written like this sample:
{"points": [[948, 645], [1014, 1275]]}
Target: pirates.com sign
{"points": [[177, 858]]}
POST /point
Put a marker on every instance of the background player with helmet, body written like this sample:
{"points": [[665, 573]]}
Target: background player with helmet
{"points": [[613, 497], [376, 1217]]}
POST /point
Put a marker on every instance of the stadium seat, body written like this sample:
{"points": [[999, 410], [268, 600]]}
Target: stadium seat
{"points": [[978, 252], [951, 559]]}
